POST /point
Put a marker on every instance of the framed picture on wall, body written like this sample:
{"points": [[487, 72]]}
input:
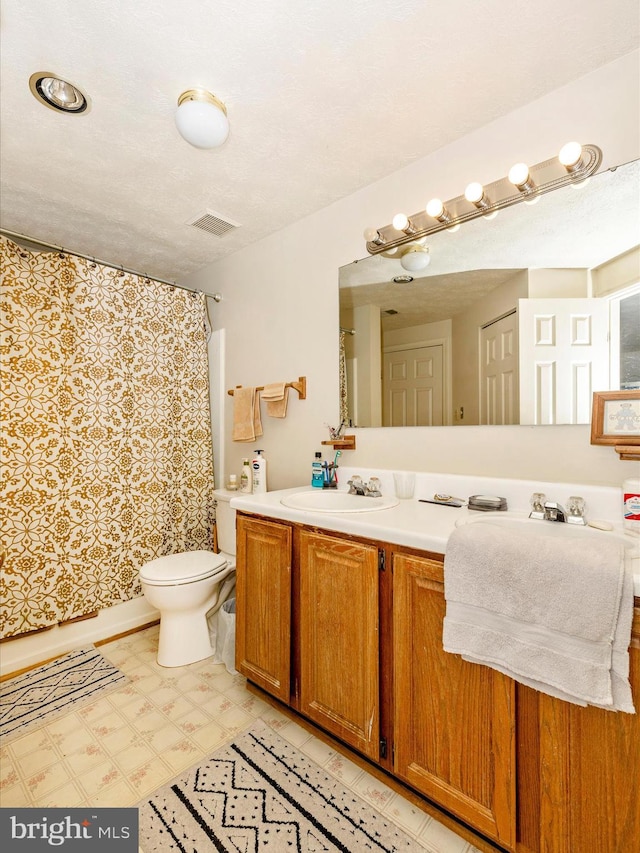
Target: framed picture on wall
{"points": [[615, 418]]}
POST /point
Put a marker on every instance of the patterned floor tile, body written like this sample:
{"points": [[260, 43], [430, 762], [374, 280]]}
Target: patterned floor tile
{"points": [[135, 739]]}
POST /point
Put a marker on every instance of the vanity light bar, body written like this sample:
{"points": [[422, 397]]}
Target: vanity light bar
{"points": [[574, 164]]}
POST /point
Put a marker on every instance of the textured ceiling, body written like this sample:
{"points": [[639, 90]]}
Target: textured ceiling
{"points": [[304, 83]]}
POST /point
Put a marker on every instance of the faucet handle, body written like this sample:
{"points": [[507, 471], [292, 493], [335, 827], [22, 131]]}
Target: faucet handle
{"points": [[373, 487], [537, 502], [356, 486], [575, 510]]}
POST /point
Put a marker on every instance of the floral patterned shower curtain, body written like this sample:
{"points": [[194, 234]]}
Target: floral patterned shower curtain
{"points": [[342, 365], [106, 437]]}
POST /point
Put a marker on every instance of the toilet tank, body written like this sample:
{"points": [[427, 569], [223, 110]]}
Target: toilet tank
{"points": [[225, 520]]}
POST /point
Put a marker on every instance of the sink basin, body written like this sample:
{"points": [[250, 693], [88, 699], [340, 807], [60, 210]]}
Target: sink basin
{"points": [[330, 500], [522, 522]]}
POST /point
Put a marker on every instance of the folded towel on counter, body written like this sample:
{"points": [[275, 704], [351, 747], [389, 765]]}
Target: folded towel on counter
{"points": [[552, 612], [276, 396], [247, 425]]}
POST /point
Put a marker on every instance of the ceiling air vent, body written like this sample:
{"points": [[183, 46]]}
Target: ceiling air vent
{"points": [[213, 223]]}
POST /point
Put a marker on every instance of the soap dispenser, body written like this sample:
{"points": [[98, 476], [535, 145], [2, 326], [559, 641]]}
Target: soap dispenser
{"points": [[259, 469], [317, 473], [246, 478]]}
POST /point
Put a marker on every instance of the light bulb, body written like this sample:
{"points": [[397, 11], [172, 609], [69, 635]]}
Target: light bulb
{"points": [[519, 174], [372, 235], [402, 223], [570, 155], [474, 192], [201, 119], [436, 209]]}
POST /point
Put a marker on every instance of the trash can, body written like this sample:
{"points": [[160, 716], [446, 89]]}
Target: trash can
{"points": [[226, 637]]}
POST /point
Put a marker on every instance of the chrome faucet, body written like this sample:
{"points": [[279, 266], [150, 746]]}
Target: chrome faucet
{"points": [[554, 512], [372, 489]]}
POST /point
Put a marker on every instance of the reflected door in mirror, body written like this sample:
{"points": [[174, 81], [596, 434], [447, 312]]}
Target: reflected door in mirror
{"points": [[413, 386], [499, 371], [564, 358]]}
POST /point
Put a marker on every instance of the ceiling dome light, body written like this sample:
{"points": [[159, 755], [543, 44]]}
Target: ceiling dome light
{"points": [[415, 259], [571, 156], [201, 119], [57, 94]]}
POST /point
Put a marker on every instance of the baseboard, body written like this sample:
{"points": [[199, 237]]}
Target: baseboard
{"points": [[26, 652]]}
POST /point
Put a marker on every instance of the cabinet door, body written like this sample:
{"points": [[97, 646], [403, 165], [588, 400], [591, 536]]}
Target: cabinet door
{"points": [[454, 729], [263, 604], [338, 622], [590, 772]]}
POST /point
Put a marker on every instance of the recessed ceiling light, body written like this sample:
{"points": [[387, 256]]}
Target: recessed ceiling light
{"points": [[57, 94]]}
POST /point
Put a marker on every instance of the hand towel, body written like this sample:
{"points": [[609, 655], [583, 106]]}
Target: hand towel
{"points": [[552, 612], [276, 396], [247, 425]]}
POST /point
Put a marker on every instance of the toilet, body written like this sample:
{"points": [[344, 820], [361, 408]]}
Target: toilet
{"points": [[189, 588]]}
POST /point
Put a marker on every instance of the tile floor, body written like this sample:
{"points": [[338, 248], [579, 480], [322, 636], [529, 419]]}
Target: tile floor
{"points": [[133, 740]]}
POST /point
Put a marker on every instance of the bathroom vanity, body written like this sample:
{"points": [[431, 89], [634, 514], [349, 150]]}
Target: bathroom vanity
{"points": [[339, 616]]}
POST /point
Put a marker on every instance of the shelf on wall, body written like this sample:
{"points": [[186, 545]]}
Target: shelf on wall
{"points": [[347, 442]]}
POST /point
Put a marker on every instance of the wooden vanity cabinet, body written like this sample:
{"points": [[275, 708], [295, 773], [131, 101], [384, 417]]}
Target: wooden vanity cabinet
{"points": [[354, 643], [579, 775], [263, 604], [338, 636], [454, 722]]}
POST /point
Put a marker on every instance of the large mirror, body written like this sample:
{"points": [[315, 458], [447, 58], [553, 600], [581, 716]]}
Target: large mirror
{"points": [[516, 320]]}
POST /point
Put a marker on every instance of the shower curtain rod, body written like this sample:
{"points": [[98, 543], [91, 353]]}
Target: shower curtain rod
{"points": [[12, 235]]}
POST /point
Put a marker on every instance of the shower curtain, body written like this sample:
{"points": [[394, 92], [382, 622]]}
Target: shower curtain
{"points": [[106, 436], [342, 369]]}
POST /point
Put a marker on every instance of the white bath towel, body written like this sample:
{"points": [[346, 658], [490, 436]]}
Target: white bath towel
{"points": [[553, 612]]}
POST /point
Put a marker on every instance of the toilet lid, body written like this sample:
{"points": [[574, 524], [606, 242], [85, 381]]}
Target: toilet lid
{"points": [[187, 567]]}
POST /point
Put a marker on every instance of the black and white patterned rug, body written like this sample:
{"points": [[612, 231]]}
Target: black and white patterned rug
{"points": [[258, 794], [37, 697]]}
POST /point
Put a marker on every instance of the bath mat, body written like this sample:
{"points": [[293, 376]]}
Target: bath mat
{"points": [[260, 794], [35, 698]]}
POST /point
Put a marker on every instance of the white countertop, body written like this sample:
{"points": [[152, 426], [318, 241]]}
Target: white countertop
{"points": [[411, 523]]}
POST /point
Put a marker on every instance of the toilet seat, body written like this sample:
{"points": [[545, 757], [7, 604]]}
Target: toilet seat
{"points": [[187, 567]]}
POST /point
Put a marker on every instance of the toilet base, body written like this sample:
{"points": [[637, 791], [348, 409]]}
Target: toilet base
{"points": [[195, 642]]}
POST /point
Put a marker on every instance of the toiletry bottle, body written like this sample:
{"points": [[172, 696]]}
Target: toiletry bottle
{"points": [[259, 469], [232, 485], [317, 471], [631, 504], [246, 478]]}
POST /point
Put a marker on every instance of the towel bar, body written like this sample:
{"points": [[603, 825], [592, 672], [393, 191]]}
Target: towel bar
{"points": [[300, 386]]}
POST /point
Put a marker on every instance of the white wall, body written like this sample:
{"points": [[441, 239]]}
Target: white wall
{"points": [[280, 299]]}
